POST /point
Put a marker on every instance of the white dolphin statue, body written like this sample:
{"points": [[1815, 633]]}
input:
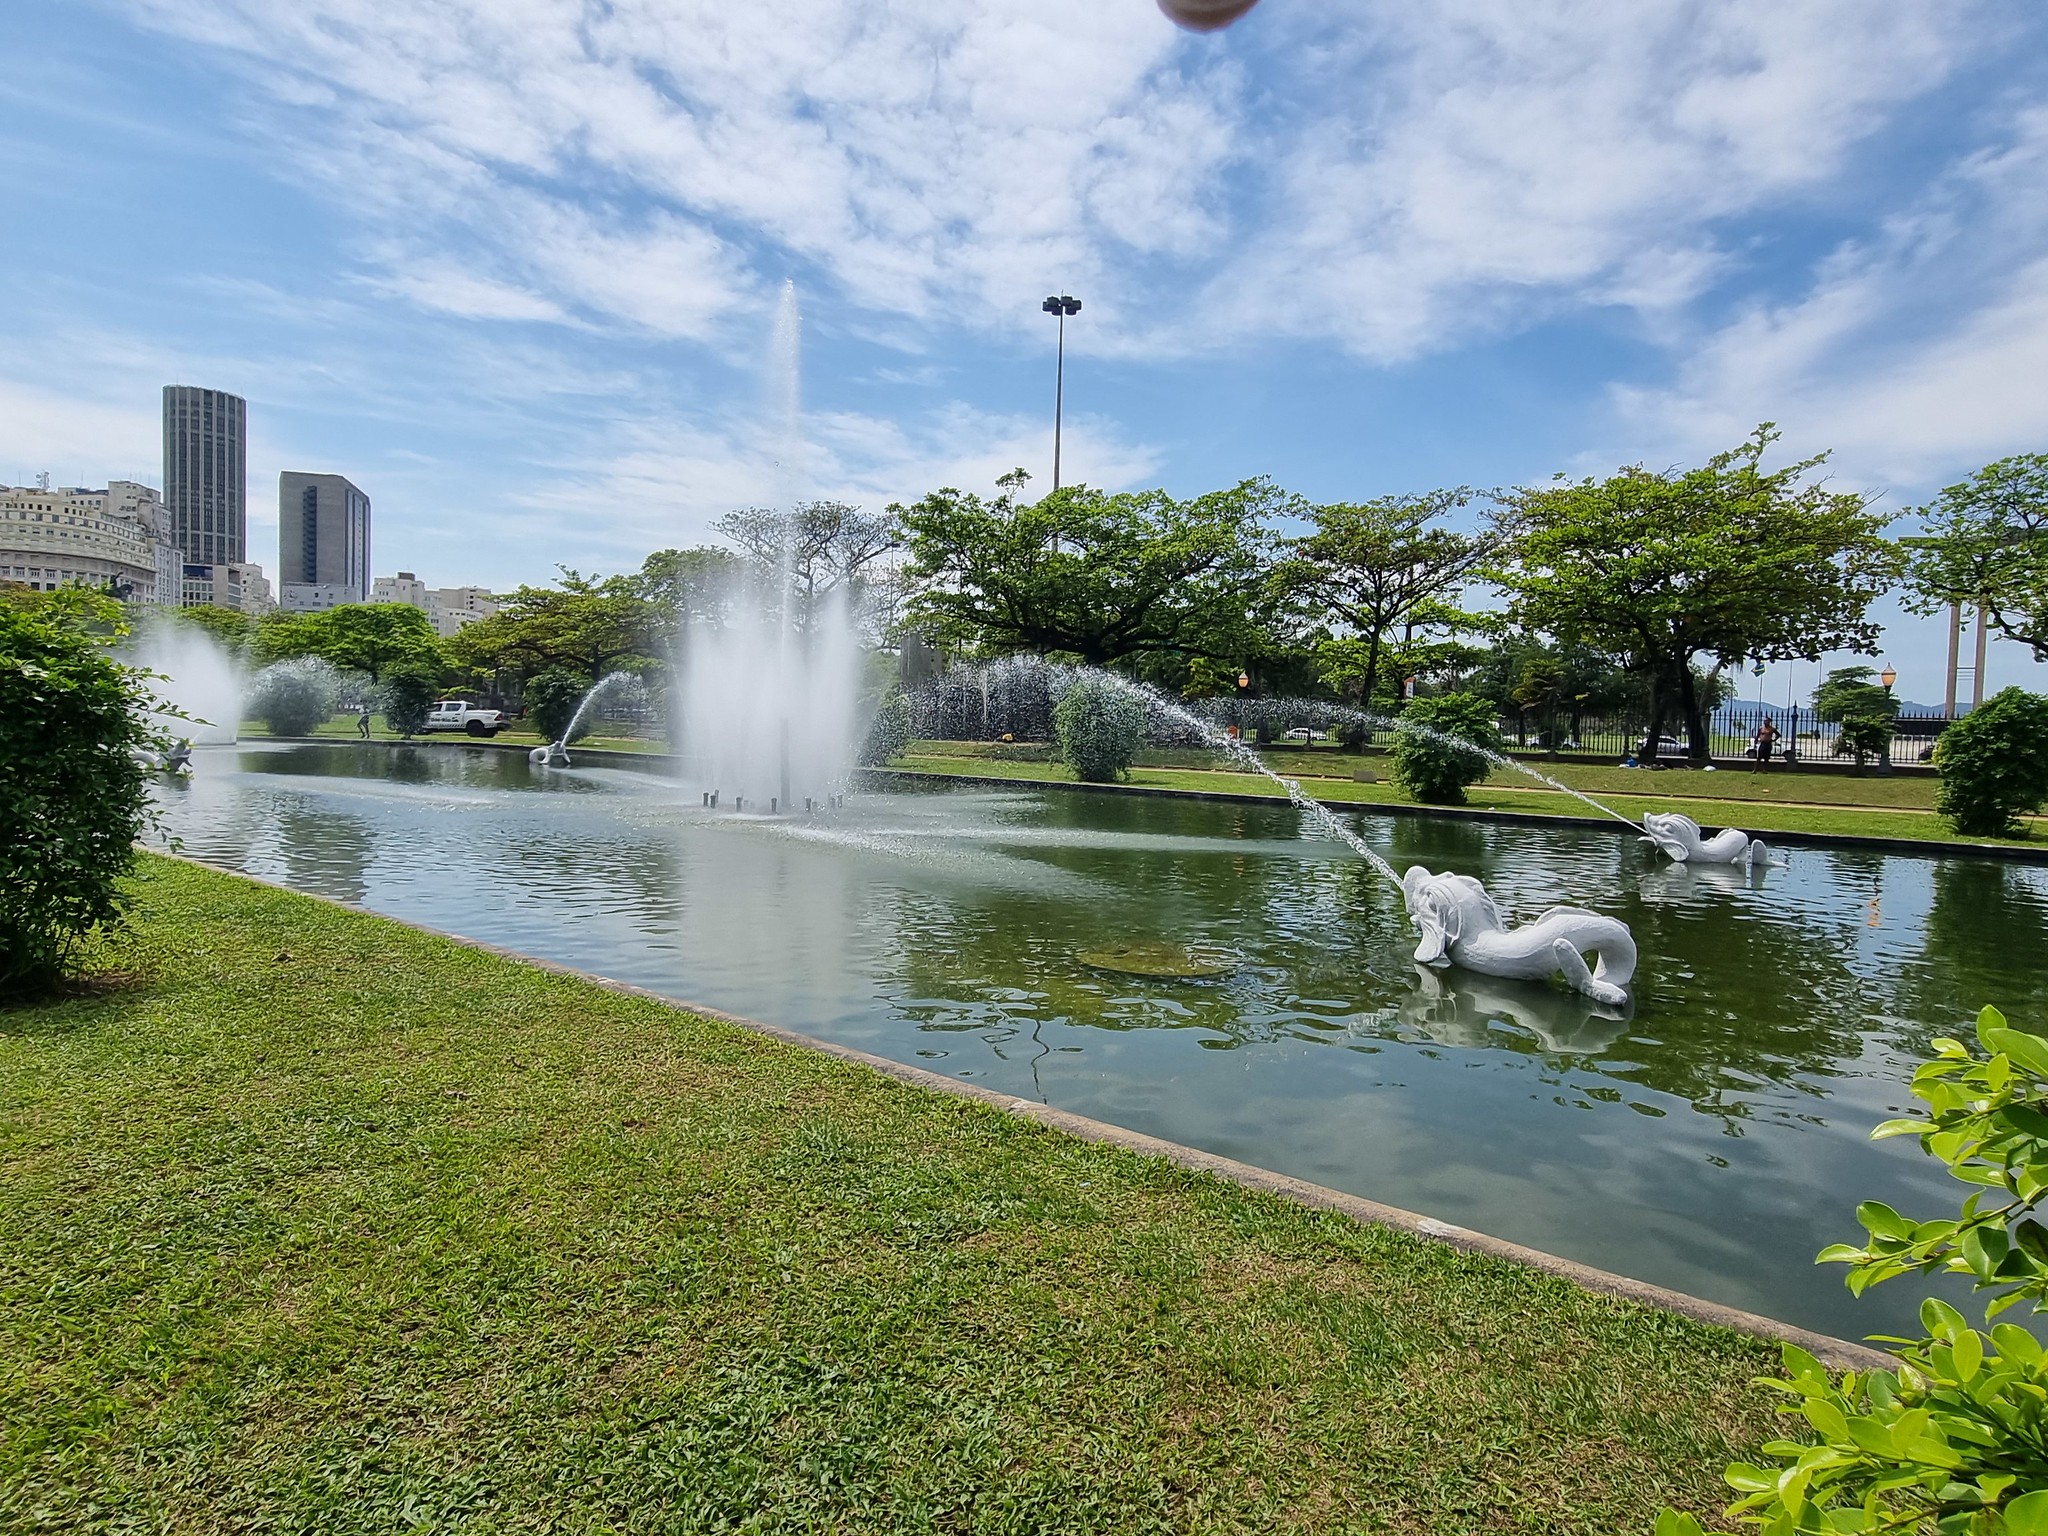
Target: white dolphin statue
{"points": [[1460, 925], [1680, 837]]}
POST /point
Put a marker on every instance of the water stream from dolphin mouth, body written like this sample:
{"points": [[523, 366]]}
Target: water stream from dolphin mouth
{"points": [[1317, 814]]}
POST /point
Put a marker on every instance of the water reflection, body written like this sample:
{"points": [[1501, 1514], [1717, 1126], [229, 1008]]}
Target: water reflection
{"points": [[1710, 1140]]}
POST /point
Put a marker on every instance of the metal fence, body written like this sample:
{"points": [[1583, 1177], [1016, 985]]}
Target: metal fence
{"points": [[979, 705], [1731, 733]]}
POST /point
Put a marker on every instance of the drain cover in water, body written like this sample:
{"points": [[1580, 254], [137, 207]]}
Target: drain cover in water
{"points": [[1161, 960]]}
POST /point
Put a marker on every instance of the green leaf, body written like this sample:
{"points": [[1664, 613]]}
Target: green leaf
{"points": [[1672, 1523], [2027, 1515], [1881, 1220]]}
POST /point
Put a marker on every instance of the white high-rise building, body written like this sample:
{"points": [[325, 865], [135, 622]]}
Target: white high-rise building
{"points": [[448, 607], [117, 538]]}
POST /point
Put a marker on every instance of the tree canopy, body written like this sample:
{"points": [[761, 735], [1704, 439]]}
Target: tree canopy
{"points": [[1725, 561], [1091, 574], [1383, 570], [359, 637], [1986, 542]]}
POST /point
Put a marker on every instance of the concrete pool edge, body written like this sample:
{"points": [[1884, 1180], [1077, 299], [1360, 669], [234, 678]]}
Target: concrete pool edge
{"points": [[1840, 1354]]}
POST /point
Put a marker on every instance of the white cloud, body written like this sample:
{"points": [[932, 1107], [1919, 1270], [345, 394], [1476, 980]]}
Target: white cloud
{"points": [[1503, 159], [1394, 178], [652, 482], [1914, 355], [921, 153]]}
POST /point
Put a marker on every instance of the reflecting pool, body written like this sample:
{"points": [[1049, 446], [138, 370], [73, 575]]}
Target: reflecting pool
{"points": [[1712, 1140]]}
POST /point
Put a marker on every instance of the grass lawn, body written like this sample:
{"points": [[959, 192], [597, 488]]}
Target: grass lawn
{"points": [[343, 728], [316, 1223], [1761, 802]]}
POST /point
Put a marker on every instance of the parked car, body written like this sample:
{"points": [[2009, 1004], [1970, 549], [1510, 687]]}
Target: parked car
{"points": [[461, 715]]}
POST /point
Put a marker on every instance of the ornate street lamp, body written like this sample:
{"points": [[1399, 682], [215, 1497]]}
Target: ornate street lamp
{"points": [[1061, 305], [1888, 677]]}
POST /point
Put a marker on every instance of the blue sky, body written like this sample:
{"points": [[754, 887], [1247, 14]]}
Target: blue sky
{"points": [[512, 265]]}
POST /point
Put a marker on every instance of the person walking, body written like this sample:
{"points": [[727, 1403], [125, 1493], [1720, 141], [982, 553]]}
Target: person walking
{"points": [[1763, 744], [363, 722]]}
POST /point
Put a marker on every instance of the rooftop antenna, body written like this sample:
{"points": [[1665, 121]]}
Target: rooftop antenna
{"points": [[43, 481]]}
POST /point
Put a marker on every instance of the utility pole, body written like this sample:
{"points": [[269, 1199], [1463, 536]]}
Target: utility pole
{"points": [[1061, 305]]}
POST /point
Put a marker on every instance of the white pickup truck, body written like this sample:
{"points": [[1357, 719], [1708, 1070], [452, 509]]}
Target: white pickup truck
{"points": [[461, 715]]}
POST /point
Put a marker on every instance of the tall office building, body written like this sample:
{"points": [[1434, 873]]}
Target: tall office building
{"points": [[206, 473], [323, 542]]}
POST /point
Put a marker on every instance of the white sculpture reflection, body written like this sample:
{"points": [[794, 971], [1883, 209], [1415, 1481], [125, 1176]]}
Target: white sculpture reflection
{"points": [[1468, 1011], [1460, 925], [1680, 837]]}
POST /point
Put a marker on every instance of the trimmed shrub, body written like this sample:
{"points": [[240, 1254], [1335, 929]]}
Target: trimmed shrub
{"points": [[73, 794], [407, 694], [551, 700], [1994, 765], [1099, 726], [293, 697], [1352, 735], [1436, 765]]}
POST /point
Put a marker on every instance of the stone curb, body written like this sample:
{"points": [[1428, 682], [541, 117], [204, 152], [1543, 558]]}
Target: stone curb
{"points": [[1838, 1354]]}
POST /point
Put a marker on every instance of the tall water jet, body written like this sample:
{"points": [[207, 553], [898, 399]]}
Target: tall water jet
{"points": [[199, 686], [785, 396], [770, 702]]}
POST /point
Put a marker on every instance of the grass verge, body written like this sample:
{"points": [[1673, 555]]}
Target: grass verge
{"points": [[1707, 797], [318, 1223], [343, 728]]}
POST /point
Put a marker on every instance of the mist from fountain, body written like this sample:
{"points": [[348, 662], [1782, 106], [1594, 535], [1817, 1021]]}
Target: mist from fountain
{"points": [[769, 704], [199, 686]]}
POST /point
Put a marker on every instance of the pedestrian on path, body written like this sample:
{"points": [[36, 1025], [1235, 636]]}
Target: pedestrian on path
{"points": [[363, 722], [1762, 744]]}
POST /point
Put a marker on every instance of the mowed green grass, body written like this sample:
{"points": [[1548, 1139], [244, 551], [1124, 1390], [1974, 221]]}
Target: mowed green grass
{"points": [[315, 1223], [521, 732], [1761, 802]]}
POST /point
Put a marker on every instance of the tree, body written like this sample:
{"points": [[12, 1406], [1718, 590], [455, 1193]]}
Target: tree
{"points": [[1994, 764], [73, 801], [371, 637], [822, 546], [1726, 561], [1441, 746], [1852, 698], [1381, 568], [407, 692], [1085, 573], [588, 625], [236, 632], [680, 588], [1986, 543]]}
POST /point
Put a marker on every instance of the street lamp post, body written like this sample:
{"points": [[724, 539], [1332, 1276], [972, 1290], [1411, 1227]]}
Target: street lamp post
{"points": [[1061, 305]]}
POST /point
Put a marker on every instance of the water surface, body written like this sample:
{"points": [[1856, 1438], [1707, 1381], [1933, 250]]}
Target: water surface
{"points": [[1712, 1140]]}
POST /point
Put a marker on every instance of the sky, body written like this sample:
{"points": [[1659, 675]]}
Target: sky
{"points": [[515, 266]]}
